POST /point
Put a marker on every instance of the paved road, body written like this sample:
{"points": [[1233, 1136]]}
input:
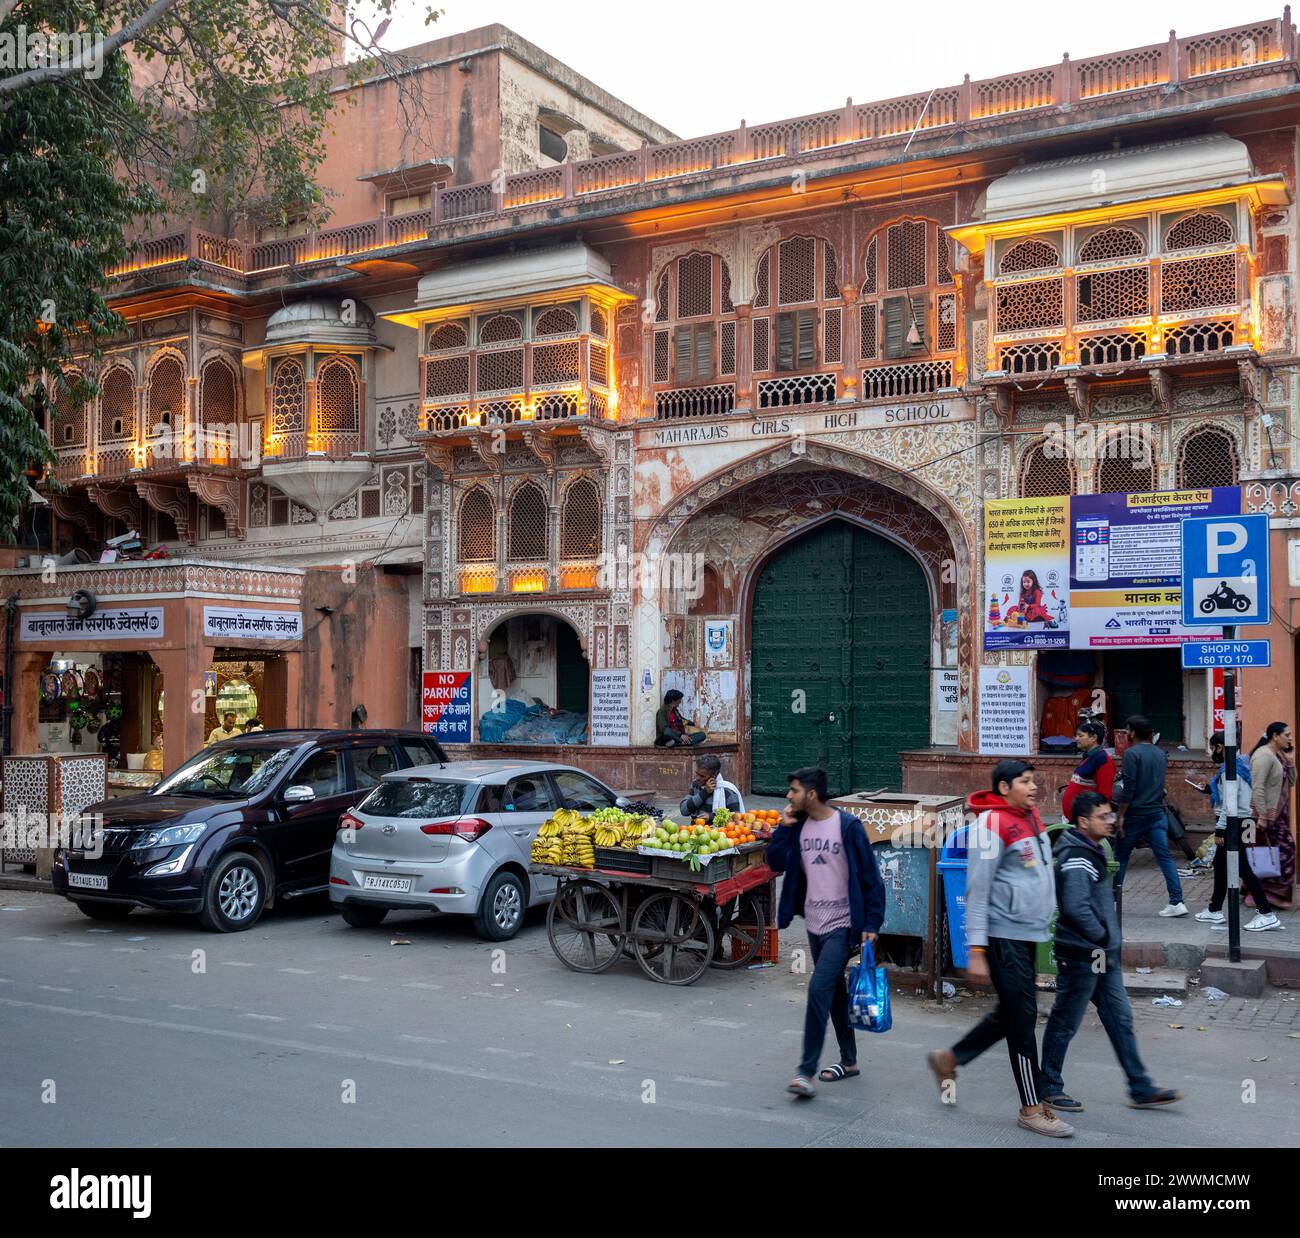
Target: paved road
{"points": [[258, 1047]]}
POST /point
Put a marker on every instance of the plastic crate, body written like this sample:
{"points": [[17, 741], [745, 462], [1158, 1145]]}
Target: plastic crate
{"points": [[717, 869], [768, 951], [620, 860]]}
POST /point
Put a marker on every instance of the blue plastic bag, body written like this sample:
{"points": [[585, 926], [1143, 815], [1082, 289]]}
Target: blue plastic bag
{"points": [[869, 995]]}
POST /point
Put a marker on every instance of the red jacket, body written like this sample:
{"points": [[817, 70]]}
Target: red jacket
{"points": [[1095, 776]]}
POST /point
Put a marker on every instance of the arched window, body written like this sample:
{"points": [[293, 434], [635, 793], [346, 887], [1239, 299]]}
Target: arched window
{"points": [[68, 421], [166, 395], [580, 521], [499, 329], [1127, 464], [117, 405], [448, 335], [338, 398], [1045, 472], [526, 533], [1202, 228], [1208, 457], [1030, 255], [218, 392], [694, 295], [476, 538], [288, 400], [908, 307], [556, 321], [798, 278], [1111, 243]]}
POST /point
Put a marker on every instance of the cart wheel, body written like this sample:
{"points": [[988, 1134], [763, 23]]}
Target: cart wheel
{"points": [[741, 925], [584, 926], [674, 939]]}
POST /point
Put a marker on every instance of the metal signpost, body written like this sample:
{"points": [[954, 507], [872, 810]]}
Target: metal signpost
{"points": [[1225, 582]]}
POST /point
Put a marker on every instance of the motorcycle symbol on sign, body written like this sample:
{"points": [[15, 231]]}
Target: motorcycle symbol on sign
{"points": [[1225, 598]]}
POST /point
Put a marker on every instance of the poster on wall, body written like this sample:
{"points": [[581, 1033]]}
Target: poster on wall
{"points": [[946, 680], [719, 642], [1026, 573], [611, 707], [1091, 571], [1004, 711], [445, 711]]}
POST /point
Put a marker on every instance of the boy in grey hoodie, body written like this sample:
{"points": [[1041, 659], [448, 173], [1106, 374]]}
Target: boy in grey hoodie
{"points": [[1010, 898]]}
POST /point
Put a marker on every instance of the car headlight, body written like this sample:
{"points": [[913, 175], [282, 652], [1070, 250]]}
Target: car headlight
{"points": [[172, 836], [167, 867]]}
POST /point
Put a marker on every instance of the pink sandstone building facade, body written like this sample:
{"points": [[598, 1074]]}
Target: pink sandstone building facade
{"points": [[590, 412]]}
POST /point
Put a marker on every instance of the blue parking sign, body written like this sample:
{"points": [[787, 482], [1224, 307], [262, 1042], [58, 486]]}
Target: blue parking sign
{"points": [[1225, 570]]}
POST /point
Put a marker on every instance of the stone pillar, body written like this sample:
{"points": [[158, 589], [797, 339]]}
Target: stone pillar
{"points": [[183, 732], [26, 689], [744, 358]]}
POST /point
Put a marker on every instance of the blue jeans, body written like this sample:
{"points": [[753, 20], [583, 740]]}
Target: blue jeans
{"points": [[1155, 831], [828, 996], [1077, 985]]}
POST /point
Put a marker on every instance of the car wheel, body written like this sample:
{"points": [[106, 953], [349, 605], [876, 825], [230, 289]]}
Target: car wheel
{"points": [[361, 916], [501, 910], [234, 893], [106, 911]]}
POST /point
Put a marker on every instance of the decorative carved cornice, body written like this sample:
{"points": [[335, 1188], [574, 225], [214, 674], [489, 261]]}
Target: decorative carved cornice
{"points": [[174, 501], [1162, 389], [73, 508], [485, 442], [438, 455], [219, 491], [1003, 400], [600, 441], [1249, 376], [1080, 392], [121, 502], [541, 442]]}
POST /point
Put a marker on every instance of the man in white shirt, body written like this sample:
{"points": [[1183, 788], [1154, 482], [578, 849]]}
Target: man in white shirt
{"points": [[710, 790]]}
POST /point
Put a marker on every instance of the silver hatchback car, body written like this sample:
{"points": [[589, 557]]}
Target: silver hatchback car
{"points": [[455, 838]]}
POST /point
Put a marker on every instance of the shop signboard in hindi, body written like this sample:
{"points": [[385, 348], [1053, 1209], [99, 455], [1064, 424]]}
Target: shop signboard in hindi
{"points": [[229, 622], [125, 623], [1027, 573], [1126, 571], [1091, 571], [445, 706], [1004, 711], [611, 707], [946, 684]]}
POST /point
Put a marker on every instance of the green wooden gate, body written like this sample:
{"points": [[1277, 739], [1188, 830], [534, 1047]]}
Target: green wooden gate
{"points": [[843, 617]]}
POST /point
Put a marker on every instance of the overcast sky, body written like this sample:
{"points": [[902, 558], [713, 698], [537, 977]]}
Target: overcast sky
{"points": [[699, 66]]}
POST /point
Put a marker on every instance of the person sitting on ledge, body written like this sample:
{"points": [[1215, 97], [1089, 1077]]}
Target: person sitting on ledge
{"points": [[710, 790], [671, 727]]}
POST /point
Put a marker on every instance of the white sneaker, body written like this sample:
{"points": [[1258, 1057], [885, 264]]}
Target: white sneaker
{"points": [[1174, 909], [1262, 922], [1210, 917]]}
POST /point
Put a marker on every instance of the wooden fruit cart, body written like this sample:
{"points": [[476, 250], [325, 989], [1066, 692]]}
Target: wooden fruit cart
{"points": [[675, 923]]}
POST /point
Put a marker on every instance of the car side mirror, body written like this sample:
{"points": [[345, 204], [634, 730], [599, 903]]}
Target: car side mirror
{"points": [[298, 794], [622, 802]]}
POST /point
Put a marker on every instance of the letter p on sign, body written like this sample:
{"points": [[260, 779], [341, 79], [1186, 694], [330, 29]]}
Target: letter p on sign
{"points": [[1223, 538]]}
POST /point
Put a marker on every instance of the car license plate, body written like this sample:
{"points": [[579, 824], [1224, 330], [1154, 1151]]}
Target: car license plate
{"points": [[400, 885], [87, 881]]}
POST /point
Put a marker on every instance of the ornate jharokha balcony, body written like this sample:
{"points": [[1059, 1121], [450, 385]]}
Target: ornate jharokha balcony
{"points": [[1199, 62]]}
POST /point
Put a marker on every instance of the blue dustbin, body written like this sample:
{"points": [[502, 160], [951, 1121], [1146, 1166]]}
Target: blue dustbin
{"points": [[952, 864]]}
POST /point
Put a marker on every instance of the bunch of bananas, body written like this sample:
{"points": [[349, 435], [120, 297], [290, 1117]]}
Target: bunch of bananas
{"points": [[638, 833], [578, 851], [547, 850], [608, 835]]}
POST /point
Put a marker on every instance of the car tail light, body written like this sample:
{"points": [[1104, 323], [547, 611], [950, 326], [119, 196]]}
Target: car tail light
{"points": [[468, 828], [348, 822], [337, 881]]}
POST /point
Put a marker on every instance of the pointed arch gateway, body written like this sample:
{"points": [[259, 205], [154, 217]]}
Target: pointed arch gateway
{"points": [[837, 577]]}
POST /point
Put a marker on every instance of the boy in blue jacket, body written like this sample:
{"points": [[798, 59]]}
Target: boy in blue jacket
{"points": [[831, 879]]}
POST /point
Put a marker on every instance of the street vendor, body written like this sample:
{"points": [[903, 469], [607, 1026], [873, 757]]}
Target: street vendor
{"points": [[710, 790]]}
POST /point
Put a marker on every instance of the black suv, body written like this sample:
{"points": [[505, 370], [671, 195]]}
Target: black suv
{"points": [[241, 823]]}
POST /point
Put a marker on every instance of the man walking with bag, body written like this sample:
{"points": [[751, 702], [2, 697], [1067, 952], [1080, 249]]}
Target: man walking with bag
{"points": [[1010, 898], [1140, 798], [831, 879]]}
